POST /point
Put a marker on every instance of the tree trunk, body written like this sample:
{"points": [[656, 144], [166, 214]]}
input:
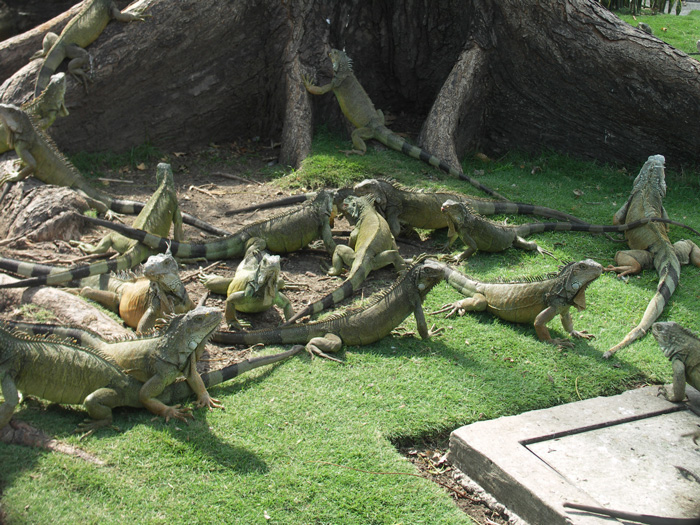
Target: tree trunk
{"points": [[489, 74]]}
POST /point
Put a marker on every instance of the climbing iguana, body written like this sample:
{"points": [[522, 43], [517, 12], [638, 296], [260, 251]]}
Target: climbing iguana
{"points": [[480, 233], [682, 347], [131, 372], [371, 246], [650, 245], [160, 212], [44, 109], [532, 300], [364, 325], [283, 233], [80, 32], [254, 288], [369, 122], [43, 160]]}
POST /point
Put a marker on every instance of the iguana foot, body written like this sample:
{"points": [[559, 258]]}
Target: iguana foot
{"points": [[451, 309], [315, 351], [622, 271], [560, 343], [178, 413], [582, 334], [435, 331], [211, 403], [89, 426]]}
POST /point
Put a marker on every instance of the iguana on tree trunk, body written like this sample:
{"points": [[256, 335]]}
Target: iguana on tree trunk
{"points": [[532, 300], [371, 322], [44, 109], [650, 245], [371, 246], [369, 122], [160, 212], [124, 373], [283, 233], [480, 233], [254, 288], [43, 160], [80, 32], [682, 347]]}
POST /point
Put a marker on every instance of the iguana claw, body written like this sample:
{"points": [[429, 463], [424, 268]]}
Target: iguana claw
{"points": [[454, 308], [560, 343], [178, 413], [582, 334]]}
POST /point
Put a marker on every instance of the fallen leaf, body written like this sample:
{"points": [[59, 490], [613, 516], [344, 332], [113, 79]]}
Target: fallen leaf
{"points": [[267, 516], [141, 167], [179, 153]]}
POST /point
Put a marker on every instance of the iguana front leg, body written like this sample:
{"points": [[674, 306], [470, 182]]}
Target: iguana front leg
{"points": [[568, 323], [423, 330], [9, 392], [194, 380], [678, 390], [29, 164], [544, 317], [342, 256], [147, 396], [315, 90], [138, 15]]}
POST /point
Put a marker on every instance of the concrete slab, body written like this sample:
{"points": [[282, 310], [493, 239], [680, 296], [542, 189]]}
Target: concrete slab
{"points": [[616, 452]]}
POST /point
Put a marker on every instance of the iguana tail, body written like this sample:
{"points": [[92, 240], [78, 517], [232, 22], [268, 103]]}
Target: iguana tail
{"points": [[42, 274], [53, 59], [279, 203], [181, 390], [669, 268], [526, 229], [459, 281], [395, 142]]}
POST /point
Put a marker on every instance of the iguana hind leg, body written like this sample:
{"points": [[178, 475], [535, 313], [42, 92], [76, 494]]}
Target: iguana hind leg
{"points": [[9, 392], [342, 255], [631, 262], [46, 45], [321, 345], [79, 59], [358, 141]]}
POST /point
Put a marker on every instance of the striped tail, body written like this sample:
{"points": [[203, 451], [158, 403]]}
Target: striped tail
{"points": [[280, 203], [180, 391], [668, 267], [53, 59], [459, 281], [61, 276], [393, 141], [526, 229]]}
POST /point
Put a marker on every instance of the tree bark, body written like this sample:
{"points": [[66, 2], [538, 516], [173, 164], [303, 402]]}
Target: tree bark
{"points": [[495, 75]]}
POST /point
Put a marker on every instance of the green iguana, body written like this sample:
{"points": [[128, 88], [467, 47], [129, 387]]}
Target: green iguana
{"points": [[132, 372], [44, 161], [480, 233], [369, 122], [531, 300], [650, 245], [80, 32], [254, 288], [371, 246], [682, 347], [371, 322], [44, 109], [160, 212], [283, 233]]}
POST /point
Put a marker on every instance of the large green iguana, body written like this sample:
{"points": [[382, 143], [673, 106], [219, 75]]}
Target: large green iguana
{"points": [[44, 109], [682, 347], [371, 322], [255, 286], [132, 372], [283, 233], [531, 300], [650, 245], [80, 32], [369, 122], [160, 212], [480, 233], [43, 160], [371, 246]]}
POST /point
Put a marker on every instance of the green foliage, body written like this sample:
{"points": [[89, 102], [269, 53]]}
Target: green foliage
{"points": [[94, 164], [36, 314], [269, 452]]}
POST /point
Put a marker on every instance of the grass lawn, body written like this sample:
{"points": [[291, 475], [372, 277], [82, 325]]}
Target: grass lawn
{"points": [[265, 459], [682, 32]]}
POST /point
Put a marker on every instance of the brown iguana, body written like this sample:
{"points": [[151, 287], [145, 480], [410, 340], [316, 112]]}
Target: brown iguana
{"points": [[283, 233], [80, 32], [650, 245], [480, 233], [533, 300], [124, 373], [648, 519], [682, 347], [160, 212], [371, 322], [44, 161], [370, 247], [254, 288], [369, 122], [44, 109]]}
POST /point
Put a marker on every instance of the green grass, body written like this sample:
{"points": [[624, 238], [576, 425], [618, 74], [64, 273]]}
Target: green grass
{"points": [[682, 32], [266, 453]]}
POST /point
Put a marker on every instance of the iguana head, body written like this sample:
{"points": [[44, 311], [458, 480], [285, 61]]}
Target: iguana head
{"points": [[163, 269], [342, 64], [457, 212], [266, 276], [353, 206], [652, 175], [672, 337], [188, 333], [164, 174], [379, 189], [576, 277], [55, 91], [428, 273]]}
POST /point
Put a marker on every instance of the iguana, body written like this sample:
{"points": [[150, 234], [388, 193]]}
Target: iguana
{"points": [[682, 347], [364, 325], [647, 519], [371, 246], [44, 109], [125, 373], [160, 212], [650, 245], [369, 122], [283, 233], [480, 233], [533, 300], [44, 161], [254, 288], [80, 32]]}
